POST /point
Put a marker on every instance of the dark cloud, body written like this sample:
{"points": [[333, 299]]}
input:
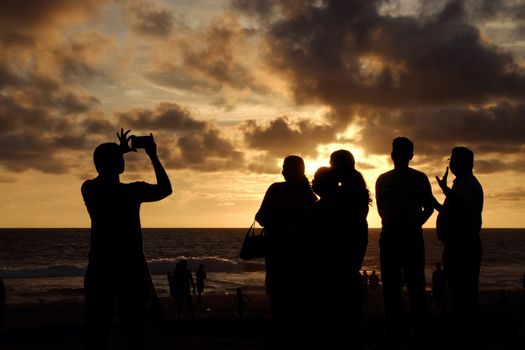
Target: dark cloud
{"points": [[513, 195], [33, 14], [39, 136], [150, 19], [166, 117], [282, 136], [496, 128], [42, 107], [264, 164], [214, 60], [214, 55], [206, 151], [494, 133], [188, 143], [489, 166], [346, 53], [261, 7]]}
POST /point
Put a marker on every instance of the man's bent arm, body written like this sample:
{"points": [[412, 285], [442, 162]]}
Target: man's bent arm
{"points": [[163, 181], [163, 187]]}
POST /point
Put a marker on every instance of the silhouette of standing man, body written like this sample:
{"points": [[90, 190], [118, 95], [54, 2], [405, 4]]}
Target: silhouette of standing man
{"points": [[117, 271], [405, 202], [458, 226], [282, 210]]}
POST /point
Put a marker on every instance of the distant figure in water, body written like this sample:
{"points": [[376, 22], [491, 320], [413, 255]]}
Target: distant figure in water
{"points": [[239, 302], [458, 226], [373, 281], [282, 210], [439, 288], [200, 276], [404, 202], [117, 272], [181, 282], [2, 302]]}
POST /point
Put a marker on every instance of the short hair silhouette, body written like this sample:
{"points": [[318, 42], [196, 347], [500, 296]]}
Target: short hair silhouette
{"points": [[342, 159], [293, 167], [462, 159], [402, 150], [108, 159]]}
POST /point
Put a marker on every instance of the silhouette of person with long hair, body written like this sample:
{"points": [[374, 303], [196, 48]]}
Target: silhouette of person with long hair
{"points": [[332, 241], [117, 272], [281, 212], [404, 202], [200, 276], [356, 200], [458, 226], [182, 283]]}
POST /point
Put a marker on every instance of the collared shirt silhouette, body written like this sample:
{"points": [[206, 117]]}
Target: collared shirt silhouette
{"points": [[404, 202], [458, 226], [281, 212], [117, 271]]}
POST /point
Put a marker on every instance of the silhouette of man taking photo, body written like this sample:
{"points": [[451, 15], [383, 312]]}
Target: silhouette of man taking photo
{"points": [[117, 272], [405, 202], [458, 226]]}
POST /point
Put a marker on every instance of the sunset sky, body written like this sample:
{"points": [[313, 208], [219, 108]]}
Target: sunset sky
{"points": [[229, 88]]}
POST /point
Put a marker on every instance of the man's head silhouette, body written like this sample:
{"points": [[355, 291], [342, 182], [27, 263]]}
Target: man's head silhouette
{"points": [[461, 161], [108, 159], [402, 151], [293, 168], [342, 161]]}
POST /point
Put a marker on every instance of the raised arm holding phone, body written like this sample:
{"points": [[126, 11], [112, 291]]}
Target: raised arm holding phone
{"points": [[117, 271]]}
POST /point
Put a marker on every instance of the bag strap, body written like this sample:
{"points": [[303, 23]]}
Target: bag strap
{"points": [[251, 230]]}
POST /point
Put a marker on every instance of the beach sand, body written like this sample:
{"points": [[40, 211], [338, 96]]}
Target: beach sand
{"points": [[59, 325]]}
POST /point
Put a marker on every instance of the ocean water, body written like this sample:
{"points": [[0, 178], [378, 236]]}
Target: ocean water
{"points": [[49, 264]]}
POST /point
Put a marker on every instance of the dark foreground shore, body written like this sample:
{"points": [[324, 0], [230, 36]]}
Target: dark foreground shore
{"points": [[59, 325]]}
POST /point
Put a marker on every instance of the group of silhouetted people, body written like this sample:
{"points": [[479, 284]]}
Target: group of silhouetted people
{"points": [[181, 285], [305, 232]]}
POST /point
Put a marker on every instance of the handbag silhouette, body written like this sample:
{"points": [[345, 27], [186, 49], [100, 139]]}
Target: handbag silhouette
{"points": [[254, 245]]}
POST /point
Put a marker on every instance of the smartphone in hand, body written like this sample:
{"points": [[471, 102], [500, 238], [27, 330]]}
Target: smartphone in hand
{"points": [[141, 141]]}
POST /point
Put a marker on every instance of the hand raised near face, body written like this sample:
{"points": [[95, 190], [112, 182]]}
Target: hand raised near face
{"points": [[124, 141]]}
